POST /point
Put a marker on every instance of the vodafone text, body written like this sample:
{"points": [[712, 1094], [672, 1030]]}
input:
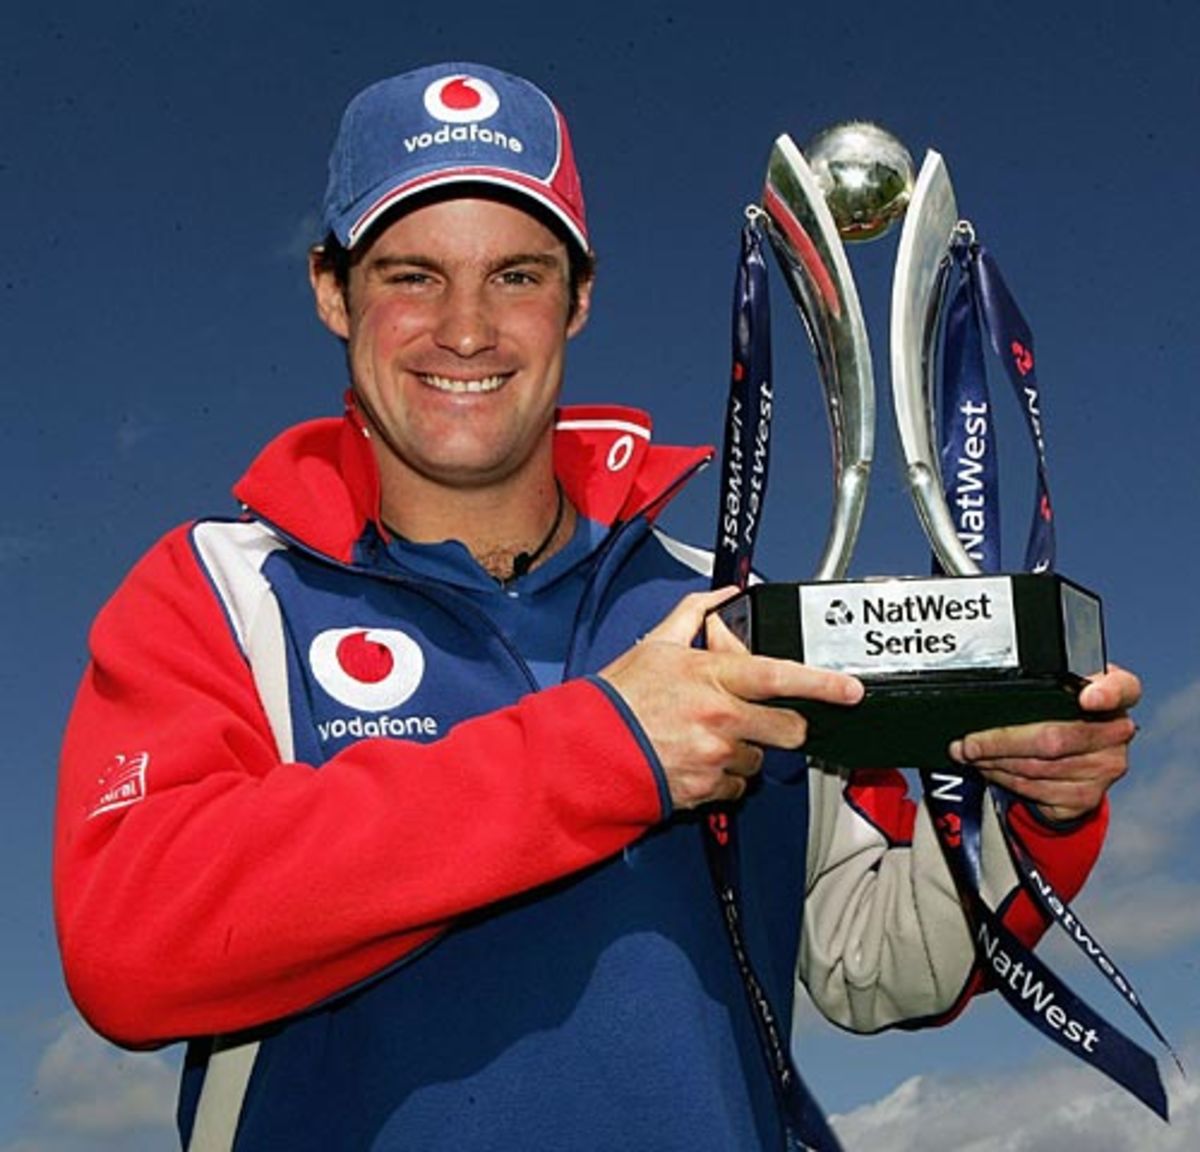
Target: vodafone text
{"points": [[363, 727], [460, 133], [1033, 991], [931, 608]]}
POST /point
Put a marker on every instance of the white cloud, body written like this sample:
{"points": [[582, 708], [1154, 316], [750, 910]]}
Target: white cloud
{"points": [[1145, 916], [1178, 715], [1155, 807], [90, 1086], [1039, 1110], [1144, 897], [91, 1095]]}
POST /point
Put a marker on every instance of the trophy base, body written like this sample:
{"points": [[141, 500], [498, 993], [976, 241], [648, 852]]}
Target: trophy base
{"points": [[939, 657]]}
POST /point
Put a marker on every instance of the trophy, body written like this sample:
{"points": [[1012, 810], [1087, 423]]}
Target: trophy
{"points": [[972, 647], [940, 656]]}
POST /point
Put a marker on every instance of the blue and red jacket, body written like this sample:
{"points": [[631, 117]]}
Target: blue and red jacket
{"points": [[320, 817]]}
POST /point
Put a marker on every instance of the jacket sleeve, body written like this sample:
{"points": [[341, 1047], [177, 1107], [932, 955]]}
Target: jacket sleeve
{"points": [[204, 885], [885, 939]]}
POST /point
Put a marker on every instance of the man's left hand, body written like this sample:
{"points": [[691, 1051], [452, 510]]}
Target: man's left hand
{"points": [[1064, 767]]}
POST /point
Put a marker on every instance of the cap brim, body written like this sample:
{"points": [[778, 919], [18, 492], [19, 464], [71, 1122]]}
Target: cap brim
{"points": [[359, 225]]}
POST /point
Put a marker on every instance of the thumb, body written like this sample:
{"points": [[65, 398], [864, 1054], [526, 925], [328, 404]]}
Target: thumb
{"points": [[684, 621]]}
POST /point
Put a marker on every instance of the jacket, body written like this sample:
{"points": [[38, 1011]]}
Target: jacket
{"points": [[317, 818]]}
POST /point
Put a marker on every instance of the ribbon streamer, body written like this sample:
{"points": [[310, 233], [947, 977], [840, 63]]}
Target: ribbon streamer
{"points": [[747, 445], [955, 798], [743, 488]]}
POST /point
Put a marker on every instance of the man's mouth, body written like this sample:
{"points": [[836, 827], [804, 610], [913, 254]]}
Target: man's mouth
{"points": [[450, 384]]}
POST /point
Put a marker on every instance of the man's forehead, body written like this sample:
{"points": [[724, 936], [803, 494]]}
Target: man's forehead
{"points": [[470, 228]]}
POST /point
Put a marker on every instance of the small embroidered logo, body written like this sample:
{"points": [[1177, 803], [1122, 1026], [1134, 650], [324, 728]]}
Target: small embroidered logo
{"points": [[123, 782]]}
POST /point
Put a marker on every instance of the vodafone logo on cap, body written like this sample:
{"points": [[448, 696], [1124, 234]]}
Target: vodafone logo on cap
{"points": [[372, 669], [461, 100]]}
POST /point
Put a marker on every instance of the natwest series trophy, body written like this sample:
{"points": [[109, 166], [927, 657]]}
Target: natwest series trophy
{"points": [[941, 656], [971, 647]]}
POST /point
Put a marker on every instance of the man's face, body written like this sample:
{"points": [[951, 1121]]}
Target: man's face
{"points": [[456, 320]]}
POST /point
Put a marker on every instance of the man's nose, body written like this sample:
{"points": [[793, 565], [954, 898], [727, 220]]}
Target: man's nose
{"points": [[465, 324]]}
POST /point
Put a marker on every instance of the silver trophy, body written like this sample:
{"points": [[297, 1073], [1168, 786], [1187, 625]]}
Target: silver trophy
{"points": [[993, 649]]}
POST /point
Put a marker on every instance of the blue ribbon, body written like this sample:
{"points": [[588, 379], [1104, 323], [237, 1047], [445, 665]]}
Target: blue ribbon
{"points": [[954, 796], [743, 489], [1012, 341], [746, 449], [970, 469]]}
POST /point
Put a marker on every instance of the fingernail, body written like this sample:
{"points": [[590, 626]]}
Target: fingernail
{"points": [[957, 752]]}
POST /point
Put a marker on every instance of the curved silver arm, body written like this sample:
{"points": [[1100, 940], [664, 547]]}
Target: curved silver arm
{"points": [[918, 296], [810, 252]]}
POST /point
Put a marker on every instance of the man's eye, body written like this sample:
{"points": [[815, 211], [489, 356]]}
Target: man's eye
{"points": [[517, 277], [414, 278]]}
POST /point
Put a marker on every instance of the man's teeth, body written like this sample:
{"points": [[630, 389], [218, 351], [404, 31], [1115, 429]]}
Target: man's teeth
{"points": [[446, 384]]}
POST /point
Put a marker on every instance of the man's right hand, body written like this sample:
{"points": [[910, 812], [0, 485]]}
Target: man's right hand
{"points": [[700, 708]]}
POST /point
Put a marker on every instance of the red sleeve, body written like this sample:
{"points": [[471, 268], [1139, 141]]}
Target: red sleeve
{"points": [[1064, 857], [202, 886]]}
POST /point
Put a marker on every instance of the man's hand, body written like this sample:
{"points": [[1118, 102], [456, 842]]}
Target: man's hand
{"points": [[1063, 767], [700, 708]]}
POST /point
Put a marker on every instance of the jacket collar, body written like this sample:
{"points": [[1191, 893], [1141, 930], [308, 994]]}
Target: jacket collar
{"points": [[318, 482]]}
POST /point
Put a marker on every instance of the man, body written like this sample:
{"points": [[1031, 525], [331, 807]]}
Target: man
{"points": [[384, 797]]}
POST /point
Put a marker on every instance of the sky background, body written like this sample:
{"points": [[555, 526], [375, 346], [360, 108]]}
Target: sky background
{"points": [[161, 169]]}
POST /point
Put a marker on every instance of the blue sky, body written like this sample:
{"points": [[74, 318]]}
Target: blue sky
{"points": [[161, 167]]}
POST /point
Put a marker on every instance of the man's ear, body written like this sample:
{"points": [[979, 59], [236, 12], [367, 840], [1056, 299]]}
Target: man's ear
{"points": [[328, 294], [583, 306]]}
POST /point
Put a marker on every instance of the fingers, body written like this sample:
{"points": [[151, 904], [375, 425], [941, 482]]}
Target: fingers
{"points": [[768, 678], [705, 712], [1114, 691], [1064, 767], [744, 675], [718, 637], [686, 619], [1063, 790], [1050, 740]]}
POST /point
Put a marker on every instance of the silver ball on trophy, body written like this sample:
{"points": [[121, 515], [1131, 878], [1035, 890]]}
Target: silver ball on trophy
{"points": [[866, 176]]}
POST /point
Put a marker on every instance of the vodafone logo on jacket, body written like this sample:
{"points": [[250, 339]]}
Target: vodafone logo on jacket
{"points": [[370, 669]]}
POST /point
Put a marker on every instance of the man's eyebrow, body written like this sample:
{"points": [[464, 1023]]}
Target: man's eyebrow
{"points": [[543, 259], [385, 263]]}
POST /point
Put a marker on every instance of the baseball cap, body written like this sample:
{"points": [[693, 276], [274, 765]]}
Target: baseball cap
{"points": [[449, 124]]}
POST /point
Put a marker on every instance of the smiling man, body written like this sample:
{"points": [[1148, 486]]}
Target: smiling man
{"points": [[389, 796], [455, 320]]}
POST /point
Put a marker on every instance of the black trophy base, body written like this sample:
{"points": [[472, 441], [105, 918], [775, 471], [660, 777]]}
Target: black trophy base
{"points": [[939, 657]]}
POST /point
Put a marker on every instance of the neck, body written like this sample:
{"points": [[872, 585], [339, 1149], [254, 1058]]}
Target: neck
{"points": [[510, 528]]}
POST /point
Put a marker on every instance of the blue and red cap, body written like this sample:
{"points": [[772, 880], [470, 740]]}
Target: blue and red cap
{"points": [[450, 124]]}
